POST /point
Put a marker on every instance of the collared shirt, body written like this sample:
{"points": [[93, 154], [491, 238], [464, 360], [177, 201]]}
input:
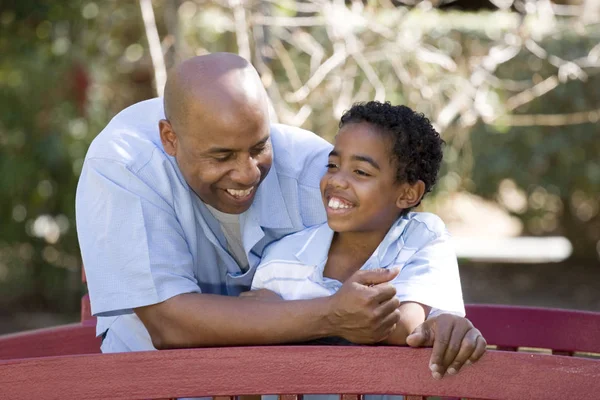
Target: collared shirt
{"points": [[145, 236], [418, 243]]}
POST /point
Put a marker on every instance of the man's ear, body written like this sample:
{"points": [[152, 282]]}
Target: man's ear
{"points": [[410, 195], [168, 137]]}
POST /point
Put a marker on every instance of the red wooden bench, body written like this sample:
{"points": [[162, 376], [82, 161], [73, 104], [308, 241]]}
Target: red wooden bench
{"points": [[61, 363]]}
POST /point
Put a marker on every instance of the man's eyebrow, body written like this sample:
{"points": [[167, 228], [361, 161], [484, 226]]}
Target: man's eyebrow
{"points": [[216, 150], [360, 157]]}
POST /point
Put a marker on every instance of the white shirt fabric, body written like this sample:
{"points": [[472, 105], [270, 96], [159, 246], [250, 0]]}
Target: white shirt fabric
{"points": [[418, 243], [145, 236], [230, 225]]}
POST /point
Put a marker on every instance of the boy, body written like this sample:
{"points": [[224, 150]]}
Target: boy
{"points": [[385, 159]]}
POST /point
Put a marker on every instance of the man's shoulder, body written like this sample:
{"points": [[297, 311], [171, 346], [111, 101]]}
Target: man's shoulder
{"points": [[131, 137], [298, 153]]}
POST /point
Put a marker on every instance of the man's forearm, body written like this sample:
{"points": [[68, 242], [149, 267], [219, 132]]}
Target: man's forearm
{"points": [[202, 320]]}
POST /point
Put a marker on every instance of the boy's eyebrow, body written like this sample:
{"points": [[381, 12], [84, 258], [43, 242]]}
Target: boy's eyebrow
{"points": [[226, 150], [358, 157]]}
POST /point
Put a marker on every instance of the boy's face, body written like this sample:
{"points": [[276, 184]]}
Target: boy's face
{"points": [[359, 189]]}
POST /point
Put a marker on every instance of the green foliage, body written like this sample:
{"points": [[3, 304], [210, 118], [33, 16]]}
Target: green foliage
{"points": [[69, 66]]}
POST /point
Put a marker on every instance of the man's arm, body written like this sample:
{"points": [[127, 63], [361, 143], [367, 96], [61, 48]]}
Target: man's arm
{"points": [[357, 312]]}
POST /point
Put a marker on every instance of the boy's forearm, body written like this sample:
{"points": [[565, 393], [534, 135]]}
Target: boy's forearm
{"points": [[202, 320], [411, 315]]}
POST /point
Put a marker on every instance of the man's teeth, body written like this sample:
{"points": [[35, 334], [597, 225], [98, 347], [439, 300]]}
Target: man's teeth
{"points": [[337, 204], [240, 193]]}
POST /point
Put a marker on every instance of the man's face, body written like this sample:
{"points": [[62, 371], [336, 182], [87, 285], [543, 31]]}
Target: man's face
{"points": [[223, 162], [359, 189]]}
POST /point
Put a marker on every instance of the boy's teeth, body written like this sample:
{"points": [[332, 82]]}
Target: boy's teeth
{"points": [[337, 204], [240, 193]]}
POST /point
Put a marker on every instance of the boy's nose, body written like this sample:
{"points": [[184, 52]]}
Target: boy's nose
{"points": [[338, 181]]}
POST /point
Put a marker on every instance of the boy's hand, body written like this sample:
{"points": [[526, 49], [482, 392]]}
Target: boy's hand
{"points": [[261, 294], [455, 342], [365, 309]]}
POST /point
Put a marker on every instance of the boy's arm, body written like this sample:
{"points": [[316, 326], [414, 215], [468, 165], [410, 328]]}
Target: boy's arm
{"points": [[411, 316]]}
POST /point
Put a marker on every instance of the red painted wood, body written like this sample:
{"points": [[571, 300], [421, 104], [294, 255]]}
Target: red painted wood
{"points": [[414, 397], [351, 397], [64, 340], [86, 311], [295, 369], [511, 326]]}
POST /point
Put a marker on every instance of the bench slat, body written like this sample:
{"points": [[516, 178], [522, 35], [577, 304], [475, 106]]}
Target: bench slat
{"points": [[295, 369], [549, 328], [66, 339]]}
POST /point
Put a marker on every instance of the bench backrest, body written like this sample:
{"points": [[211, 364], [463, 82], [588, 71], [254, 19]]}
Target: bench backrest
{"points": [[290, 370]]}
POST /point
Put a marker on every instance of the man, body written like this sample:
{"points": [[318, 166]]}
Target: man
{"points": [[173, 221]]}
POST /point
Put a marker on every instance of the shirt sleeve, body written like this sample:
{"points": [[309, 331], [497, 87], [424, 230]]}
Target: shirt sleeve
{"points": [[133, 247], [430, 276]]}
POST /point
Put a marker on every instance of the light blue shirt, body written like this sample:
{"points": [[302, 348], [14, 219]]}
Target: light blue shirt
{"points": [[417, 243], [145, 236]]}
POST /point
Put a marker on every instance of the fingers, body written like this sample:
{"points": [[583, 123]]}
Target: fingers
{"points": [[388, 325], [467, 348], [457, 339], [441, 340], [421, 336], [387, 307], [480, 349], [384, 292], [374, 276]]}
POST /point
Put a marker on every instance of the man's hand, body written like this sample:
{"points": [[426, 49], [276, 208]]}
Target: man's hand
{"points": [[365, 309], [261, 294], [455, 342]]}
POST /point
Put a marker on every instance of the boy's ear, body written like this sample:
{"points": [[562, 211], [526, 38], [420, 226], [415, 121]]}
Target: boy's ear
{"points": [[410, 195], [168, 137]]}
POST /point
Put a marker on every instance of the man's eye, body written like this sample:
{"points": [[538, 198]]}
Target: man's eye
{"points": [[257, 150], [223, 157], [331, 165]]}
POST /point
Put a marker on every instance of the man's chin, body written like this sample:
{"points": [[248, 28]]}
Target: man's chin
{"points": [[235, 205]]}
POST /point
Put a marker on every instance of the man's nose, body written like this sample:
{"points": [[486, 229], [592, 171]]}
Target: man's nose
{"points": [[246, 172]]}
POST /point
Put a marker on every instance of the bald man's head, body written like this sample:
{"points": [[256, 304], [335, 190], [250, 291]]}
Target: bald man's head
{"points": [[217, 128], [218, 85]]}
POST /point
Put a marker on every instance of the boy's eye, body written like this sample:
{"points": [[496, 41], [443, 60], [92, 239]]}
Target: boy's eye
{"points": [[361, 172], [331, 165]]}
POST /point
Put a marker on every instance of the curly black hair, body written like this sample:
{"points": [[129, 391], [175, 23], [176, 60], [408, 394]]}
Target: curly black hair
{"points": [[417, 147]]}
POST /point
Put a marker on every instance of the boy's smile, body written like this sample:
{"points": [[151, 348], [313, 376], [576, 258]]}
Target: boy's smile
{"points": [[359, 189]]}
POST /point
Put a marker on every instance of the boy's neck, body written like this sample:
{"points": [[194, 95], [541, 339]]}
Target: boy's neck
{"points": [[349, 251]]}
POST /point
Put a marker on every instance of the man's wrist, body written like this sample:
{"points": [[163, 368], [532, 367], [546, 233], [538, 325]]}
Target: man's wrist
{"points": [[326, 325]]}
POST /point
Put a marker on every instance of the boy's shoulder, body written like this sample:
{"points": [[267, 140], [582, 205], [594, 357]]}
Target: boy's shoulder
{"points": [[425, 223]]}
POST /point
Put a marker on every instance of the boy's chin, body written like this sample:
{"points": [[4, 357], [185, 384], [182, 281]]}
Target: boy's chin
{"points": [[338, 227]]}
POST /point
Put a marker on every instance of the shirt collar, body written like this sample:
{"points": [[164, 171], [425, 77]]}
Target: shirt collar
{"points": [[316, 248], [384, 253], [269, 206]]}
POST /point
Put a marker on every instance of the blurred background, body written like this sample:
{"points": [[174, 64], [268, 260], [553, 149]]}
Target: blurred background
{"points": [[513, 86]]}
